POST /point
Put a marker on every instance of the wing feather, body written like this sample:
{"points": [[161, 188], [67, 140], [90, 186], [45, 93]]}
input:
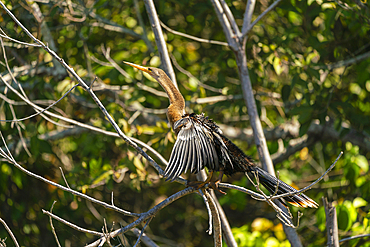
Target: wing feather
{"points": [[174, 161], [191, 155], [193, 150], [200, 164]]}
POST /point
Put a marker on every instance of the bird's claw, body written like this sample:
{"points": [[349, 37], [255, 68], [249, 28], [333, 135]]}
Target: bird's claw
{"points": [[199, 184], [214, 186], [196, 184]]}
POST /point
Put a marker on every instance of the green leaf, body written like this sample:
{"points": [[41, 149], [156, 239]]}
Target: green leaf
{"points": [[285, 92], [303, 129], [35, 146], [305, 116], [17, 179], [344, 219], [95, 166], [351, 209], [295, 18], [351, 171], [321, 218], [301, 109], [344, 132], [314, 73]]}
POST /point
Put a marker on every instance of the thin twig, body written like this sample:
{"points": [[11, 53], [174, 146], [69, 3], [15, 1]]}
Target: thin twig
{"points": [[343, 63], [226, 26], [78, 228], [182, 70], [354, 237], [312, 184], [84, 85], [11, 160], [10, 232], [149, 214], [215, 42], [106, 53], [242, 189], [106, 233], [142, 232], [284, 217], [39, 112], [142, 24], [271, 7], [64, 178], [19, 42], [17, 124], [209, 231], [52, 226]]}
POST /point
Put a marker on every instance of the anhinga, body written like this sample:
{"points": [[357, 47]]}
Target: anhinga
{"points": [[200, 143]]}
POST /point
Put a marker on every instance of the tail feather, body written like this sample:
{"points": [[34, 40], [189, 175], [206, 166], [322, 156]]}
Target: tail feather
{"points": [[270, 183]]}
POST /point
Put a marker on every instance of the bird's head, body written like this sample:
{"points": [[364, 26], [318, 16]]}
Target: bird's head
{"points": [[177, 103], [153, 72]]}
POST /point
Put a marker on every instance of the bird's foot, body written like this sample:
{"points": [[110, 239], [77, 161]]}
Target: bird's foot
{"points": [[214, 186], [199, 184], [196, 184]]}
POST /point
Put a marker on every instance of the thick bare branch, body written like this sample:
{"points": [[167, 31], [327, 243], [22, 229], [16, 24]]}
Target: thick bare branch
{"points": [[248, 15], [331, 223], [216, 220], [161, 44], [226, 229], [230, 17], [237, 44], [226, 26]]}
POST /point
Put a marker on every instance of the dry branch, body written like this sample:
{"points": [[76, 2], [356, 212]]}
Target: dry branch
{"points": [[10, 232], [331, 223], [162, 48], [230, 26]]}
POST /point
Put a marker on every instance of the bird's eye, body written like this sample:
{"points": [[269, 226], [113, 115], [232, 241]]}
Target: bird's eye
{"points": [[149, 69]]}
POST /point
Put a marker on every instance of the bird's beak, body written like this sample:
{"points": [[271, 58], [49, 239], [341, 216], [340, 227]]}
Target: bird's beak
{"points": [[138, 67]]}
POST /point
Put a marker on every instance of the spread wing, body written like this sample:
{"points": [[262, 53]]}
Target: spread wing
{"points": [[193, 150]]}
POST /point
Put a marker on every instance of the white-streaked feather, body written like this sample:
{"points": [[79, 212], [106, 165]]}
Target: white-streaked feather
{"points": [[193, 150]]}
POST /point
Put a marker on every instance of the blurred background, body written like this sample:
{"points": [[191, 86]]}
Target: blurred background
{"points": [[309, 66]]}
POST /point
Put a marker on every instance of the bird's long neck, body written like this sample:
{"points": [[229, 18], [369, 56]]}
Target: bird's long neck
{"points": [[176, 109]]}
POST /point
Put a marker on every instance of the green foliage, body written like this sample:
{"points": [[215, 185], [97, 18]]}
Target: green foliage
{"points": [[293, 61], [261, 232]]}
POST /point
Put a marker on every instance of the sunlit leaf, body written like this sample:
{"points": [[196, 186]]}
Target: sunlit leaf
{"points": [[362, 162], [359, 202]]}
